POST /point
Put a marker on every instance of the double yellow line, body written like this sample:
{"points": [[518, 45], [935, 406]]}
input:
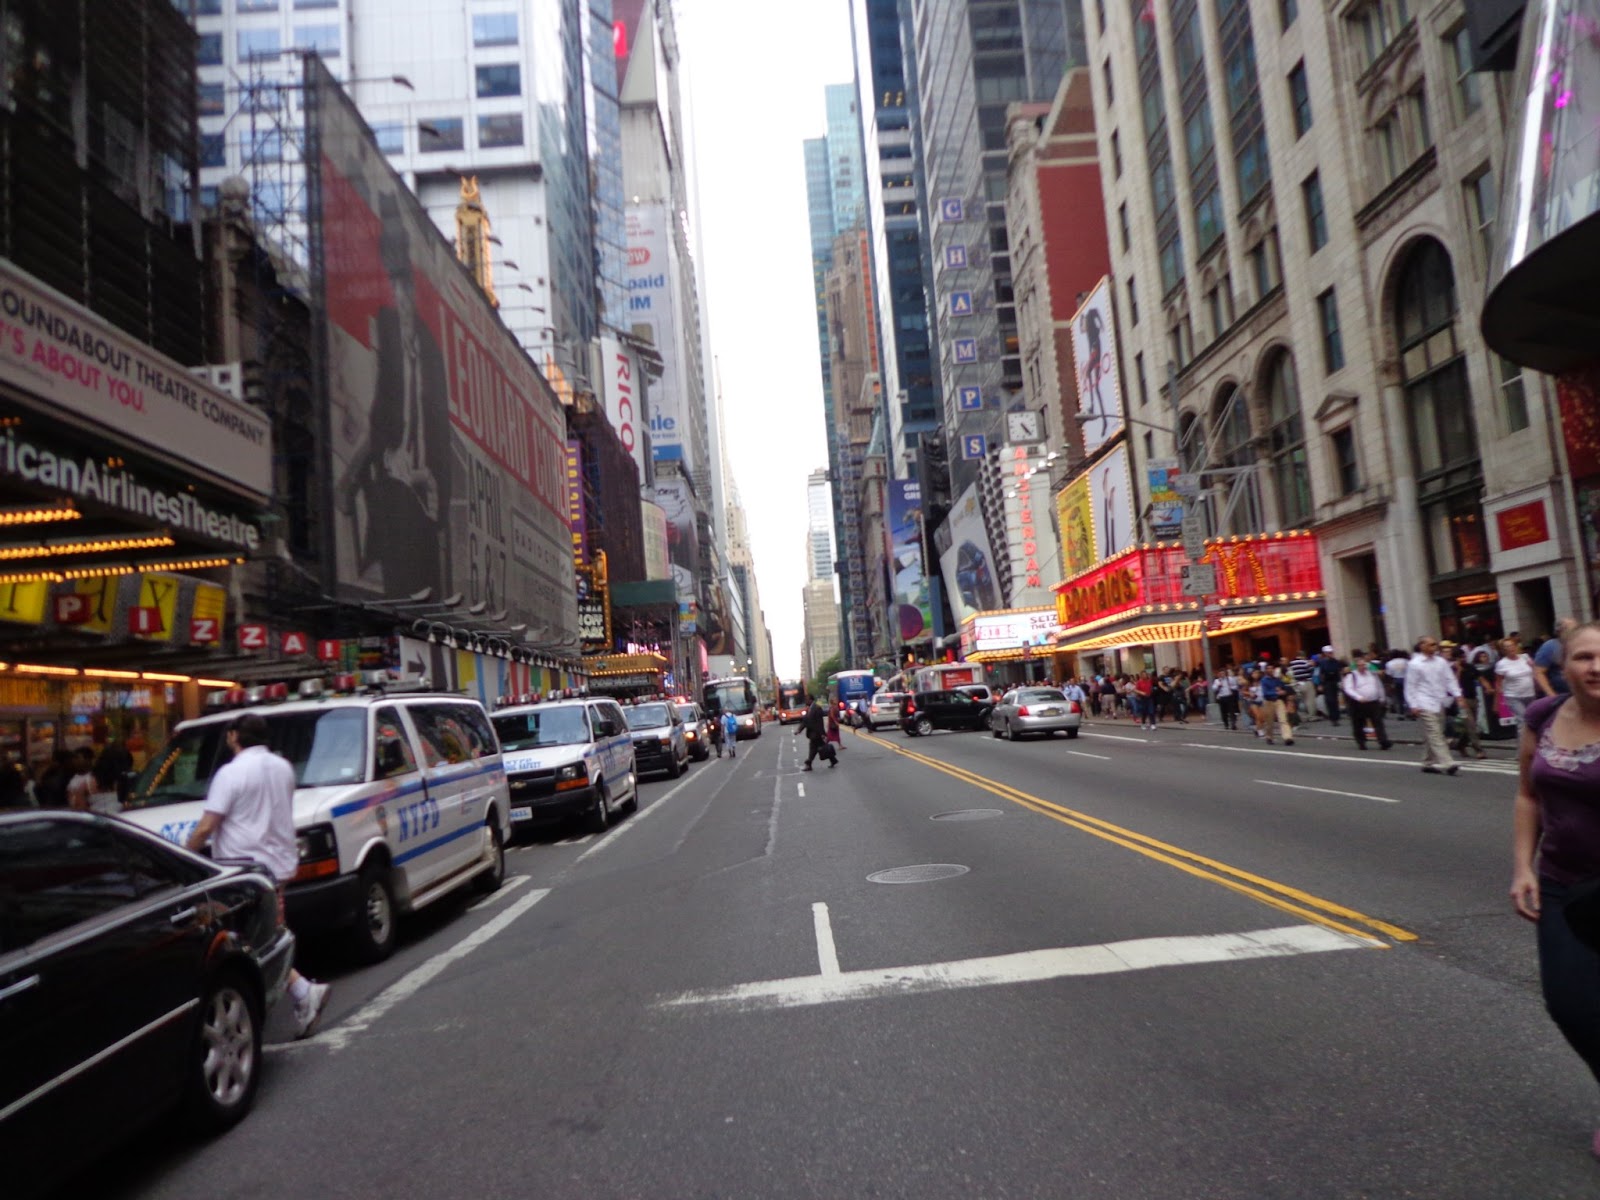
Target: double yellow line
{"points": [[1267, 891]]}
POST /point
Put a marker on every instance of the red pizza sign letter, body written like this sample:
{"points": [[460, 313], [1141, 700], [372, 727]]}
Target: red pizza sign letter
{"points": [[294, 643], [252, 637]]}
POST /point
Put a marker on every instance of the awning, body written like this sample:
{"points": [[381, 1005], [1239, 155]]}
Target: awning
{"points": [[1149, 633]]}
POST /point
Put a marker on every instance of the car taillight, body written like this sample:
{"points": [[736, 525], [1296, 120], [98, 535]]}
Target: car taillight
{"points": [[911, 707], [1023, 711], [1074, 707]]}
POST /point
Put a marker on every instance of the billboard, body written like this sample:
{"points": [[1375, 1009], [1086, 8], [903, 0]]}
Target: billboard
{"points": [[915, 620], [652, 304], [1075, 516], [683, 537], [442, 442], [657, 556], [1111, 498], [622, 386], [968, 565], [1094, 350], [1166, 506]]}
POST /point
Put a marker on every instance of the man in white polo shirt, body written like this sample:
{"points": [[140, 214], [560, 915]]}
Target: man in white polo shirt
{"points": [[1431, 687], [249, 816]]}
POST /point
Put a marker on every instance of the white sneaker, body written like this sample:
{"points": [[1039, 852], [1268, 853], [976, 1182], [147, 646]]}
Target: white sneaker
{"points": [[308, 1013]]}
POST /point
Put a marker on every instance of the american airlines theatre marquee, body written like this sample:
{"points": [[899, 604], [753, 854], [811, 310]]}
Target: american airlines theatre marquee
{"points": [[128, 487]]}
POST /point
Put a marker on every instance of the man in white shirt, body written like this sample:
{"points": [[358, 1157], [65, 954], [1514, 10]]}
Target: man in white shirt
{"points": [[249, 815], [1431, 687], [1363, 690]]}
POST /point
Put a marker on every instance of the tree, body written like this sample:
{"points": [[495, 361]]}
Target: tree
{"points": [[819, 681]]}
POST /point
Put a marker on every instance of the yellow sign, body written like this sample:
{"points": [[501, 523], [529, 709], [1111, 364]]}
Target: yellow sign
{"points": [[206, 619], [157, 608], [24, 602], [1075, 511], [102, 597]]}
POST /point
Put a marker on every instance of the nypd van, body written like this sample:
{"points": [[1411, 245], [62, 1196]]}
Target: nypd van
{"points": [[401, 799], [568, 759]]}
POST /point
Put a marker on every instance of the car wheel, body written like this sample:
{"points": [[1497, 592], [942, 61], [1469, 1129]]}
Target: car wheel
{"points": [[600, 815], [1072, 733], [924, 726], [994, 730], [674, 767], [488, 881], [632, 806], [372, 934], [1011, 732], [225, 1060]]}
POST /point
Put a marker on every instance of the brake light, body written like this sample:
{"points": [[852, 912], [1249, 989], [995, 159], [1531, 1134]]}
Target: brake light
{"points": [[1074, 706], [1023, 711], [911, 707]]}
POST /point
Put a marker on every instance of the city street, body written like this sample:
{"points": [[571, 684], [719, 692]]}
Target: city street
{"points": [[1177, 964]]}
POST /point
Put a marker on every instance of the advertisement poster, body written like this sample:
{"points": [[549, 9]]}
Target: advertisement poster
{"points": [[905, 540], [445, 450], [683, 538], [968, 565], [651, 303], [1094, 351], [1111, 499], [622, 384], [1166, 506], [1075, 514]]}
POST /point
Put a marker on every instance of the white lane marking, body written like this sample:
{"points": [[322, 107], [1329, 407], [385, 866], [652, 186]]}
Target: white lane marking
{"points": [[1086, 754], [1027, 967], [1300, 787], [772, 819], [1410, 764], [801, 787], [1117, 737], [827, 953], [511, 884], [576, 839], [633, 821], [338, 1037]]}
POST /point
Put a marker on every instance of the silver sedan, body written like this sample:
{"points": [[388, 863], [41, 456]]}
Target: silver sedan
{"points": [[1035, 710]]}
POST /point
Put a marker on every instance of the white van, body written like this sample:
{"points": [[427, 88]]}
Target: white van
{"points": [[568, 758], [401, 799]]}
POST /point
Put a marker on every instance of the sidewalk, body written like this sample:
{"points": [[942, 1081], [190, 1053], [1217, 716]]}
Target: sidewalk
{"points": [[1401, 732]]}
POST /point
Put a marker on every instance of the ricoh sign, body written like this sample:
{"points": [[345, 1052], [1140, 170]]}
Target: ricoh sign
{"points": [[623, 384], [60, 352]]}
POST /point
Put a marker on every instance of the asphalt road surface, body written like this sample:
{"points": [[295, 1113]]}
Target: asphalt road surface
{"points": [[1170, 965]]}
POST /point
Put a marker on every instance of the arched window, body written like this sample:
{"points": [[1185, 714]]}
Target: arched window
{"points": [[1286, 440], [1238, 494], [1444, 440]]}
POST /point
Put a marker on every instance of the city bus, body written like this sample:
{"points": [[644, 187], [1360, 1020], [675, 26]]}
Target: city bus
{"points": [[737, 695], [851, 690], [792, 701]]}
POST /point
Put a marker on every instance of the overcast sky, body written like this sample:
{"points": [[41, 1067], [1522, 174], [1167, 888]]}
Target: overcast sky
{"points": [[757, 71]]}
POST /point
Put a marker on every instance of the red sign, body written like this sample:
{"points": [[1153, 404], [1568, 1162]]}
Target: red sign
{"points": [[73, 609], [295, 643], [144, 620], [1523, 525], [329, 650], [205, 631], [1213, 622], [252, 637]]}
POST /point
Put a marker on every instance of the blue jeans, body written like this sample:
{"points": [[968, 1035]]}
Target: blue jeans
{"points": [[1570, 975]]}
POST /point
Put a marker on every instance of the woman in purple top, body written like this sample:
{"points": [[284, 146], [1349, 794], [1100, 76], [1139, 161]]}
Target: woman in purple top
{"points": [[1557, 840]]}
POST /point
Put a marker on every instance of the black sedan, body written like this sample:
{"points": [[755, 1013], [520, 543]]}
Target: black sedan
{"points": [[923, 712], [135, 978]]}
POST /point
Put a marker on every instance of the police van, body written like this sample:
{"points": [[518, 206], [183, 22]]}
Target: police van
{"points": [[568, 758], [401, 798]]}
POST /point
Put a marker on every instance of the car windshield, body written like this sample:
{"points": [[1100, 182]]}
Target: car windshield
{"points": [[687, 712], [888, 697], [1040, 696], [648, 716], [542, 727], [326, 747]]}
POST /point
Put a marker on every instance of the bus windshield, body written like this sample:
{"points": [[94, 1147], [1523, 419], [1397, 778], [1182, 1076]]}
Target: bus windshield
{"points": [[736, 696]]}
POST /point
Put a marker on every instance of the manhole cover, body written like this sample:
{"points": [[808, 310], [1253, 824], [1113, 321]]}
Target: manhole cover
{"points": [[967, 814], [922, 873]]}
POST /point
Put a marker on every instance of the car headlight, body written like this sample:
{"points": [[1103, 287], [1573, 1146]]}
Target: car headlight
{"points": [[318, 849], [572, 775]]}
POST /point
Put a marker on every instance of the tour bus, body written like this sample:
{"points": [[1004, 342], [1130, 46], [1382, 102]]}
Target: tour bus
{"points": [[792, 701], [851, 690], [944, 676], [735, 694]]}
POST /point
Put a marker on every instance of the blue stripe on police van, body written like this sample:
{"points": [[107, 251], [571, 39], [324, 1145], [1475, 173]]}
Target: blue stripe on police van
{"points": [[353, 806], [436, 843]]}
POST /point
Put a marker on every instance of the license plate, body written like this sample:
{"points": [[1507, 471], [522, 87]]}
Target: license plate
{"points": [[1049, 712], [524, 813]]}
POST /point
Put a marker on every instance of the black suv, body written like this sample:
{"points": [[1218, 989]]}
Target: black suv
{"points": [[923, 712]]}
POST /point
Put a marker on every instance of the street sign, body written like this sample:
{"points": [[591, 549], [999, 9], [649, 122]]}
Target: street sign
{"points": [[1199, 579], [969, 398], [974, 445], [1194, 538], [1185, 484]]}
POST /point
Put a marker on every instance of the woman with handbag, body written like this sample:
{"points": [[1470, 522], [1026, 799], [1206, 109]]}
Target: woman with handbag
{"points": [[1555, 879]]}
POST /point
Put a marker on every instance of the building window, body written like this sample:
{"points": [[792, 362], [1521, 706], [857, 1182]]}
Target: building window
{"points": [[1316, 213], [1346, 467], [1469, 97], [200, 8], [1100, 15], [212, 99], [1138, 370], [494, 29], [299, 4], [391, 137], [1230, 434], [1122, 224], [1300, 99], [1481, 206], [1111, 95], [258, 43], [1219, 305], [1246, 123], [1133, 300], [501, 129], [213, 149], [1116, 155], [1266, 270], [1288, 10], [1286, 442], [1332, 342], [1374, 25], [248, 6], [1433, 371], [439, 133], [324, 40], [499, 79], [208, 50], [1513, 395]]}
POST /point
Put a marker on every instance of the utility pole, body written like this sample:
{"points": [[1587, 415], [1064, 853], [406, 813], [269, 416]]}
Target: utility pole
{"points": [[1189, 502]]}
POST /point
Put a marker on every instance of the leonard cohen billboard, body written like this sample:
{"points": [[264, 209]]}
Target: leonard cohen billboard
{"points": [[444, 444]]}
